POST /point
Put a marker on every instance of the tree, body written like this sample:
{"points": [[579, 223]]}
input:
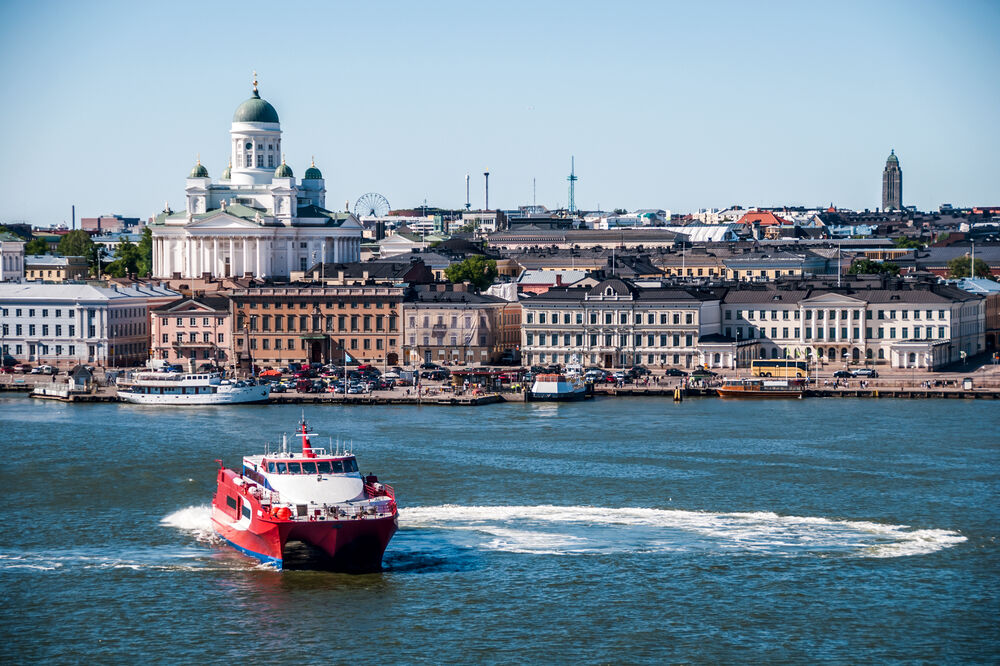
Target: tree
{"points": [[903, 241], [477, 269], [76, 244], [145, 263], [869, 267], [127, 257], [959, 268], [36, 246]]}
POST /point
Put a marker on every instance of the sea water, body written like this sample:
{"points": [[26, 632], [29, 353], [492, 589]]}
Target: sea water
{"points": [[628, 530]]}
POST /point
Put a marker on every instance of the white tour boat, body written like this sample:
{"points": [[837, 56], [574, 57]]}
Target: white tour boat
{"points": [[557, 387], [193, 388]]}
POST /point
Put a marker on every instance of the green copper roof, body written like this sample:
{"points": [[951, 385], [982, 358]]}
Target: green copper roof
{"points": [[312, 173], [199, 171], [283, 171], [892, 157], [255, 110]]}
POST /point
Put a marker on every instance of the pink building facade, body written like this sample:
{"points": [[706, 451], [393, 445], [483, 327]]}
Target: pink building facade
{"points": [[193, 331]]}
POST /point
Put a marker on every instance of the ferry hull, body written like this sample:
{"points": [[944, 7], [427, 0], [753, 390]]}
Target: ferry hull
{"points": [[354, 546], [557, 397], [741, 393], [254, 395]]}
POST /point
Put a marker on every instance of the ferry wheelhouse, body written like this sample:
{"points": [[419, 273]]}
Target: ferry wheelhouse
{"points": [[196, 388], [317, 497]]}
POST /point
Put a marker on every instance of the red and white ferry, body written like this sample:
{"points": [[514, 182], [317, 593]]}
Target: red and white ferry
{"points": [[317, 497]]}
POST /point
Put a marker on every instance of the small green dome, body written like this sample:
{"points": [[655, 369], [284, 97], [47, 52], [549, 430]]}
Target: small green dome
{"points": [[283, 171], [892, 156], [199, 171], [255, 110], [312, 173]]}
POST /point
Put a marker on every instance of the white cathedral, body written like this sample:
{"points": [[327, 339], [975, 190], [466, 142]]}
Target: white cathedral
{"points": [[255, 219]]}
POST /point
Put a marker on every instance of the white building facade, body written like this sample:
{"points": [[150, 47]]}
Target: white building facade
{"points": [[11, 257], [69, 324], [257, 219]]}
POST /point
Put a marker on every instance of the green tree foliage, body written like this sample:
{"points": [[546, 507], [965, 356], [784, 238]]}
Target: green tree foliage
{"points": [[76, 244], [127, 257], [903, 241], [145, 263], [869, 267], [959, 268], [36, 246], [477, 269]]}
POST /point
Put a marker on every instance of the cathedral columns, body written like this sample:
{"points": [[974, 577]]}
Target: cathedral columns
{"points": [[257, 262], [215, 256], [189, 255], [246, 255], [232, 258]]}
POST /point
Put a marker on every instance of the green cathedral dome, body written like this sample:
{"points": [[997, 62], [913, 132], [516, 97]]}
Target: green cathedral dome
{"points": [[312, 173], [199, 171], [255, 110], [283, 171]]}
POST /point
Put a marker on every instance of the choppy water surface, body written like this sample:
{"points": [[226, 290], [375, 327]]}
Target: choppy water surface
{"points": [[630, 530]]}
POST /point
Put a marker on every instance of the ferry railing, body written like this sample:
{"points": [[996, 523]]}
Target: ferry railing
{"points": [[271, 502]]}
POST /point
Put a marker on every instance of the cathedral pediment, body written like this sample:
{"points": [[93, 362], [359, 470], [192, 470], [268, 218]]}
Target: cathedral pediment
{"points": [[220, 221]]}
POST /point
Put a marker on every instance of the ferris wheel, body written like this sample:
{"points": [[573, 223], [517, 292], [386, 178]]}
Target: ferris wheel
{"points": [[372, 204]]}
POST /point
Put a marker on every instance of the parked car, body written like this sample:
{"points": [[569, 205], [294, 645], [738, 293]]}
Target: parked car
{"points": [[674, 372], [278, 387], [639, 370], [44, 370], [843, 374], [865, 372], [429, 366], [23, 368]]}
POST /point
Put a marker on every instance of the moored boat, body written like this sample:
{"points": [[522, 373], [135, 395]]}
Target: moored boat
{"points": [[761, 388], [316, 497], [557, 387], [194, 388]]}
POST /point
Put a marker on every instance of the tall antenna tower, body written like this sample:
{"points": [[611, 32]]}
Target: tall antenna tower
{"points": [[572, 184], [468, 204]]}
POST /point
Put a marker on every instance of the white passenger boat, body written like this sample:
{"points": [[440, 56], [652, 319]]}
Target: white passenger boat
{"points": [[557, 387], [195, 388]]}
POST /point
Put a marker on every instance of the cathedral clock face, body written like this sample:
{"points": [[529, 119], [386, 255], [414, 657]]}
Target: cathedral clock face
{"points": [[248, 146]]}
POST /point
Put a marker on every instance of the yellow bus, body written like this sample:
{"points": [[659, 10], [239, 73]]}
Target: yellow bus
{"points": [[779, 368]]}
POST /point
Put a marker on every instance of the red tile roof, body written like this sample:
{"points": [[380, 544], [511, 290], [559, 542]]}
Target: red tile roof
{"points": [[763, 217]]}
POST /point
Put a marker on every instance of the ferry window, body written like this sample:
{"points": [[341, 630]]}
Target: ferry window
{"points": [[231, 501], [350, 465], [271, 467], [294, 468], [246, 511], [323, 467], [308, 468], [337, 466], [282, 468]]}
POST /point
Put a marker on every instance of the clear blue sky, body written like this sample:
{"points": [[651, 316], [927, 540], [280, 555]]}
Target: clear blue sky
{"points": [[674, 105]]}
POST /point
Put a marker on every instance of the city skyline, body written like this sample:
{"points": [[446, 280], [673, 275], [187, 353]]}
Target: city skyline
{"points": [[662, 106]]}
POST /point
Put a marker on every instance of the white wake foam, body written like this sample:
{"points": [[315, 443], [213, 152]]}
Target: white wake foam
{"points": [[547, 529], [194, 519]]}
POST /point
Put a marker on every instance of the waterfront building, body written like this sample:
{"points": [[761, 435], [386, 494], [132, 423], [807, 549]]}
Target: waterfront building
{"points": [[257, 219], [52, 268], [370, 272], [617, 323], [897, 322], [449, 324], [106, 224], [300, 323], [892, 184], [11, 257], [192, 331], [68, 324], [527, 236]]}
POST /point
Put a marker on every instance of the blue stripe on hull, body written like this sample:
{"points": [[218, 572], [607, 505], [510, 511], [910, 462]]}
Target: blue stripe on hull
{"points": [[557, 397], [266, 559]]}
